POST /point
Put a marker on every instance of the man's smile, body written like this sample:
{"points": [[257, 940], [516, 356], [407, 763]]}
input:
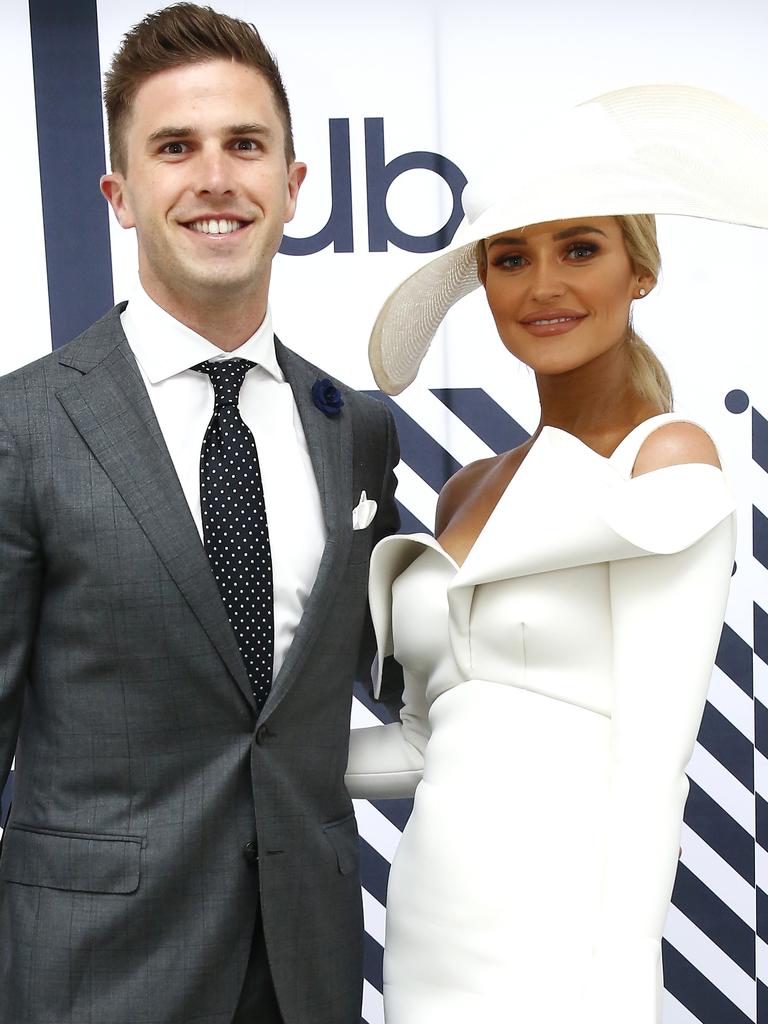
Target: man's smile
{"points": [[216, 225]]}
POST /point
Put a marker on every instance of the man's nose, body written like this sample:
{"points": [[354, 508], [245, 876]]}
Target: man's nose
{"points": [[213, 173]]}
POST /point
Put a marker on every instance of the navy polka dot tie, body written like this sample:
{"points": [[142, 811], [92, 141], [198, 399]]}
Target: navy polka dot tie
{"points": [[235, 530]]}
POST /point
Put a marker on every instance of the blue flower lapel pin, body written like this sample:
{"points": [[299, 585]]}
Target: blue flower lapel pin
{"points": [[326, 397]]}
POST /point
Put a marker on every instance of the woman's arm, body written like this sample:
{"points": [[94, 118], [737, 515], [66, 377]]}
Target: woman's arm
{"points": [[387, 760], [667, 613]]}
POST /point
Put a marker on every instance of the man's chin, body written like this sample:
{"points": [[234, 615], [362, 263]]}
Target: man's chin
{"points": [[213, 285]]}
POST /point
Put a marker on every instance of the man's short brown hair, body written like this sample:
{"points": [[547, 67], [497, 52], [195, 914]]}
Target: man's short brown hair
{"points": [[173, 37]]}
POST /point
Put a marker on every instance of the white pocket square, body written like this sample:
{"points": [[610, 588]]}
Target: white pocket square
{"points": [[362, 516]]}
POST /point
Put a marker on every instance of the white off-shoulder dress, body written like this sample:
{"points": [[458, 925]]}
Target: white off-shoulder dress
{"points": [[554, 685]]}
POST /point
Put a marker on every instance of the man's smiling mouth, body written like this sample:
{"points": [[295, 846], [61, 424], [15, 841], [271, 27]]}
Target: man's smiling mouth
{"points": [[214, 226]]}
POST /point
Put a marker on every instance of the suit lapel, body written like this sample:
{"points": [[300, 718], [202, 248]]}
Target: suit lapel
{"points": [[111, 410], [329, 440]]}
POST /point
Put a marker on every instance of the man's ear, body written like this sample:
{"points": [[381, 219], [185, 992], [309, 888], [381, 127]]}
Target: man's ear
{"points": [[114, 190], [297, 171]]}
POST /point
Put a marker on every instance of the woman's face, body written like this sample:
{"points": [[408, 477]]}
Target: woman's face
{"points": [[560, 291]]}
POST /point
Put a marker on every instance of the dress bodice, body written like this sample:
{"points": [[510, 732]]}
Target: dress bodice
{"points": [[534, 591]]}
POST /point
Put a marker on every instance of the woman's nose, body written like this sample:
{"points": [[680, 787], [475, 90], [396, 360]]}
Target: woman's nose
{"points": [[547, 280]]}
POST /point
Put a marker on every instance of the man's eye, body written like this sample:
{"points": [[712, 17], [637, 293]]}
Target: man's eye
{"points": [[174, 148], [246, 145]]}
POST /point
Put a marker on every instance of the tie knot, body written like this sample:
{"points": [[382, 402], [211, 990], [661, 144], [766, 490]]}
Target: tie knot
{"points": [[227, 376]]}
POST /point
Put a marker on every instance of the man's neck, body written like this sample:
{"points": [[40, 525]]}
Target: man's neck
{"points": [[227, 324]]}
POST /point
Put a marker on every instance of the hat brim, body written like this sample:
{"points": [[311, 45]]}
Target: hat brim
{"points": [[661, 149]]}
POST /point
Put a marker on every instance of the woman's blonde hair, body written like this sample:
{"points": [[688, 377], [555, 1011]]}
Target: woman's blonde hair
{"points": [[648, 373]]}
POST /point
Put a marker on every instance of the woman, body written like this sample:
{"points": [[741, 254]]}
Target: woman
{"points": [[558, 635]]}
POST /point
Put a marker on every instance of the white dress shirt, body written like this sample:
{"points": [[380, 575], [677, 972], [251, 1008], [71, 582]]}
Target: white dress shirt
{"points": [[183, 402]]}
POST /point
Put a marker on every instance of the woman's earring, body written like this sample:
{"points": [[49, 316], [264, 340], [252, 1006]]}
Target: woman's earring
{"points": [[642, 292]]}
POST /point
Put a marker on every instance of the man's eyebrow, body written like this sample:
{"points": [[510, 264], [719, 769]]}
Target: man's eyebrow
{"points": [[173, 132], [170, 133], [580, 229], [251, 128]]}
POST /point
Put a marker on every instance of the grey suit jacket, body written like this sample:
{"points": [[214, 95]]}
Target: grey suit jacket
{"points": [[127, 895]]}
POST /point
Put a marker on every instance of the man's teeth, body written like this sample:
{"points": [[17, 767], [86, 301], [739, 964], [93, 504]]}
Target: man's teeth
{"points": [[557, 320], [216, 227]]}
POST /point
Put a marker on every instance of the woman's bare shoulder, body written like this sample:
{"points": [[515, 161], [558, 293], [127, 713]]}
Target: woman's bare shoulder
{"points": [[470, 481], [675, 444]]}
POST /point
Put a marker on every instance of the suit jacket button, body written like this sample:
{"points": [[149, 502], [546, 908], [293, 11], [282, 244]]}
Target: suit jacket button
{"points": [[251, 852], [262, 734]]}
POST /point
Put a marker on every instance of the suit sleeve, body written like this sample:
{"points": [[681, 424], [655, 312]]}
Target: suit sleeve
{"points": [[667, 613], [20, 581]]}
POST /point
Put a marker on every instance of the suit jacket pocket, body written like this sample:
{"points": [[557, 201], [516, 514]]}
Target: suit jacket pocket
{"points": [[75, 861], [342, 835]]}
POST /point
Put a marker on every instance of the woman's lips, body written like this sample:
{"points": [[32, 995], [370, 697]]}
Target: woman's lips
{"points": [[547, 325]]}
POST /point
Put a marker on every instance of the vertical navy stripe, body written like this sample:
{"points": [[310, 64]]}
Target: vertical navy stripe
{"points": [[65, 56]]}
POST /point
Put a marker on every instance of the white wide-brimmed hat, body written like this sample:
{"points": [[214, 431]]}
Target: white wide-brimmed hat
{"points": [[663, 149]]}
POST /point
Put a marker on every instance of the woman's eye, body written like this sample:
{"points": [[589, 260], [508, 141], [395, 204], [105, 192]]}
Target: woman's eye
{"points": [[581, 250], [511, 262]]}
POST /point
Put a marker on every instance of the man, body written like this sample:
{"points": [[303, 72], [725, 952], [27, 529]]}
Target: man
{"points": [[182, 591]]}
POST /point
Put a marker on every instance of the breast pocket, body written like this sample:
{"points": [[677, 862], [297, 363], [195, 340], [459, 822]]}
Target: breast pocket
{"points": [[75, 861]]}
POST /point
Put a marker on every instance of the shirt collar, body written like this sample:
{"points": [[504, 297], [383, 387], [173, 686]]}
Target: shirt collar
{"points": [[164, 347]]}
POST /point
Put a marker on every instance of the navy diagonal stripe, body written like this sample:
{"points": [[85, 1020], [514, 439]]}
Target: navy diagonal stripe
{"points": [[409, 523], [718, 922], [730, 746], [697, 993], [759, 439], [762, 1001], [734, 657], [761, 821], [760, 628], [65, 57], [762, 913], [363, 693], [396, 811], [759, 536], [373, 961], [5, 800], [718, 829], [483, 416], [761, 728], [374, 871], [419, 449]]}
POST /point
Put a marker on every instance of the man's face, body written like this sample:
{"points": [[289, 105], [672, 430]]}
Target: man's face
{"points": [[206, 184]]}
